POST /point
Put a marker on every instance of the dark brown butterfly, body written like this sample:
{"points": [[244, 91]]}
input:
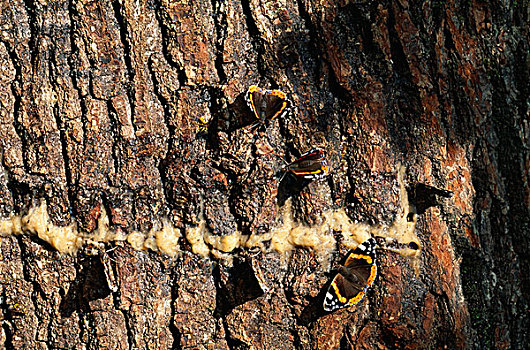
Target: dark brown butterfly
{"points": [[267, 105], [353, 279], [311, 165]]}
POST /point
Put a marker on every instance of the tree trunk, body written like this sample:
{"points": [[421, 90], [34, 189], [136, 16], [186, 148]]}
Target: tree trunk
{"points": [[140, 210]]}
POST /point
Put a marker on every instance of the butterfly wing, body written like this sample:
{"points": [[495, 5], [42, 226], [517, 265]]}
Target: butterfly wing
{"points": [[362, 262], [276, 104], [311, 165], [255, 100], [342, 293], [267, 104], [358, 273]]}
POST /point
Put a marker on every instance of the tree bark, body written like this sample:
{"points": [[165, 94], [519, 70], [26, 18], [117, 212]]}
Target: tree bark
{"points": [[139, 210]]}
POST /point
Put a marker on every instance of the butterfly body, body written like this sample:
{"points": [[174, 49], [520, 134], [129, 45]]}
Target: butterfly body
{"points": [[267, 105], [353, 278], [311, 165]]}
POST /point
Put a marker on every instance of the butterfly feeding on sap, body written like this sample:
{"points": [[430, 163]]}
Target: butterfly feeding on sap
{"points": [[353, 278]]}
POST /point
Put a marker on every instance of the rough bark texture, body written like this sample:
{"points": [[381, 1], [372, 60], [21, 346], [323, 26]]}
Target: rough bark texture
{"points": [[99, 119]]}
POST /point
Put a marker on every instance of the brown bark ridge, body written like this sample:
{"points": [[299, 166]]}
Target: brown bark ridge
{"points": [[139, 211]]}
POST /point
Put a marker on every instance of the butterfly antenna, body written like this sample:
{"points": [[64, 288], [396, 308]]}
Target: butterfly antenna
{"points": [[252, 127], [107, 251], [284, 170], [283, 175]]}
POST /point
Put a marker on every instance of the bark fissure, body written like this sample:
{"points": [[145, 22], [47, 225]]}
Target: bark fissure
{"points": [[74, 75], [172, 326], [61, 129], [172, 141], [36, 292], [123, 28], [33, 16], [129, 328], [117, 143], [255, 35], [7, 316], [315, 50], [166, 37], [16, 88], [220, 24]]}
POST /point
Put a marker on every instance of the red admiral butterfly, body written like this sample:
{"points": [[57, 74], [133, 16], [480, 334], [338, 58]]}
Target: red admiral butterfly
{"points": [[352, 280], [267, 105], [311, 165]]}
